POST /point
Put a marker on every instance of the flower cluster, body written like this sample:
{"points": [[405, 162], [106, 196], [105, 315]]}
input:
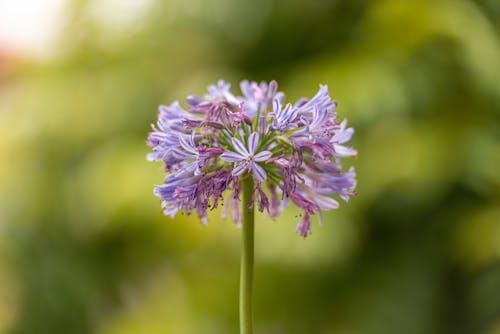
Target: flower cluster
{"points": [[292, 151]]}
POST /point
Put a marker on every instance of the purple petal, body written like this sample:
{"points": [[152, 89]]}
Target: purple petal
{"points": [[262, 156], [187, 146], [276, 105], [259, 172], [326, 203], [240, 169], [292, 113], [343, 135], [304, 227], [246, 89], [231, 156], [193, 100], [343, 151], [240, 148], [286, 111], [319, 117], [273, 88], [253, 141]]}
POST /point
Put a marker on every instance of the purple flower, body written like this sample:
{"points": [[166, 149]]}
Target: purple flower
{"points": [[176, 188], [221, 92], [293, 152], [253, 95], [166, 133], [283, 119], [188, 154], [191, 157], [342, 184], [247, 159], [321, 100], [318, 126]]}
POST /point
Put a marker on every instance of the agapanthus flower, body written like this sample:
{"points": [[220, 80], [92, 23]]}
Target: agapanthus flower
{"points": [[292, 152]]}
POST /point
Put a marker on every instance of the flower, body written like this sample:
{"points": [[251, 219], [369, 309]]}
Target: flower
{"points": [[283, 119], [247, 159], [292, 152]]}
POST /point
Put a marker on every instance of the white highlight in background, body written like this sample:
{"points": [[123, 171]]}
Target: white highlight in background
{"points": [[29, 28]]}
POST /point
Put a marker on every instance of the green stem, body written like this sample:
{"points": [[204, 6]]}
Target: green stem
{"points": [[246, 275]]}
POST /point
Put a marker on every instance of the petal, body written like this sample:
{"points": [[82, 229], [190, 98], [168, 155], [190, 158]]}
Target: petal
{"points": [[187, 146], [240, 169], [344, 136], [304, 227], [253, 141], [286, 112], [326, 203], [179, 154], [343, 151], [320, 217], [276, 105], [263, 156], [291, 113], [231, 156], [319, 117], [259, 172], [246, 89], [240, 148]]}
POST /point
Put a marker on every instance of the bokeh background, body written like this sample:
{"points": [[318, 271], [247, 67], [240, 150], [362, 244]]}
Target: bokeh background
{"points": [[84, 247]]}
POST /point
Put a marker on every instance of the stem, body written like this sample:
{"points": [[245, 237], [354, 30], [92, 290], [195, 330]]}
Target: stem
{"points": [[246, 275]]}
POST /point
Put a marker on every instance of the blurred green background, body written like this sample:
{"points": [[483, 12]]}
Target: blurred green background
{"points": [[84, 247]]}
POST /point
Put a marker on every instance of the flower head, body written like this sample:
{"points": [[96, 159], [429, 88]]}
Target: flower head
{"points": [[295, 150]]}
